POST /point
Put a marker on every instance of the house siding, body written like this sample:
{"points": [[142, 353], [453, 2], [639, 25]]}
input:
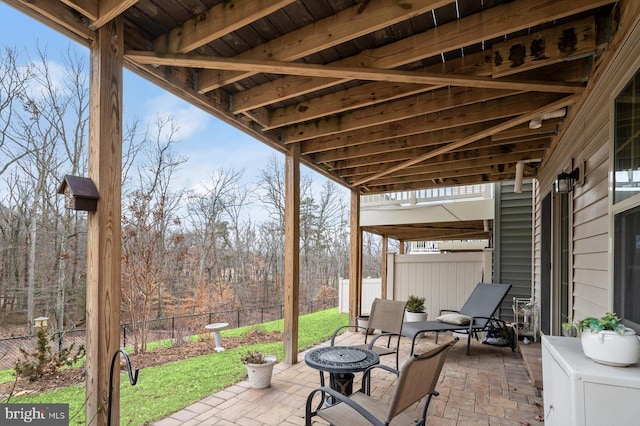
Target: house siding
{"points": [[588, 138], [513, 230]]}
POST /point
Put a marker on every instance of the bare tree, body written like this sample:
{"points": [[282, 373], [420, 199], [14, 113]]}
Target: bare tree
{"points": [[208, 219], [13, 83], [149, 215]]}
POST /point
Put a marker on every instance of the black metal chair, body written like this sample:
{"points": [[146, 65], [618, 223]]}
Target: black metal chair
{"points": [[416, 380], [386, 316]]}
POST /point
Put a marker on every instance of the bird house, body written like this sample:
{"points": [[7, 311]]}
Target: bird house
{"points": [[41, 322], [80, 193]]}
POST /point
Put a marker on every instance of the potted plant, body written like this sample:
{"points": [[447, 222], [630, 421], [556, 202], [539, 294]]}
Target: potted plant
{"points": [[259, 368], [415, 309], [607, 341]]}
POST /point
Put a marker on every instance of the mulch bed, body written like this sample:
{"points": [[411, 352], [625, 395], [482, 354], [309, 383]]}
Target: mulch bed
{"points": [[159, 356]]}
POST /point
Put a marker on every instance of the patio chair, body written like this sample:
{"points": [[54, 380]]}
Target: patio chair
{"points": [[386, 316], [417, 379], [474, 316]]}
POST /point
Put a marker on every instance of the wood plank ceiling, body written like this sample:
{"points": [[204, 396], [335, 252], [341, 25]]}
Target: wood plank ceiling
{"points": [[381, 95]]}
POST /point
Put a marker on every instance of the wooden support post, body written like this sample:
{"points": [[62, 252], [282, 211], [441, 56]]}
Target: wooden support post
{"points": [[103, 225], [292, 253], [401, 247], [355, 258], [383, 268]]}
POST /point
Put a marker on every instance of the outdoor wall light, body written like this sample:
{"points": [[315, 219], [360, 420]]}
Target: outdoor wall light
{"points": [[565, 181]]}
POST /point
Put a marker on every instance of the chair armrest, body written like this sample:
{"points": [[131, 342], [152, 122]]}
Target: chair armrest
{"points": [[342, 398], [449, 310], [335, 333], [377, 336], [473, 319], [366, 377]]}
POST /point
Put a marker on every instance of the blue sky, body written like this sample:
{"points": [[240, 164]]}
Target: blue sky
{"points": [[208, 142]]}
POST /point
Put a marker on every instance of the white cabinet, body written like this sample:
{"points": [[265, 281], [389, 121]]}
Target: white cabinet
{"points": [[579, 391]]}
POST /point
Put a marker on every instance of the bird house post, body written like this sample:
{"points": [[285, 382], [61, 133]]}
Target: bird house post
{"points": [[80, 193]]}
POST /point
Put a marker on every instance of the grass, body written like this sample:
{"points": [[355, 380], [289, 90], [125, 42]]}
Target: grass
{"points": [[164, 389]]}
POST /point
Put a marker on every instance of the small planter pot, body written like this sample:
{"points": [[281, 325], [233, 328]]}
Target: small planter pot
{"points": [[363, 324], [610, 348], [569, 332], [260, 374], [416, 316]]}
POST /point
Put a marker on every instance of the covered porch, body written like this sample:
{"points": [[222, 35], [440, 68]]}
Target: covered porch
{"points": [[490, 387], [378, 96]]}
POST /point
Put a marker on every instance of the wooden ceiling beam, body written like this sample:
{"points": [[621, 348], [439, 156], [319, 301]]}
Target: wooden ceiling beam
{"points": [[478, 64], [549, 127], [455, 117], [349, 24], [486, 150], [459, 169], [100, 12], [413, 106], [496, 129], [491, 174], [369, 94], [389, 146], [347, 73], [470, 180], [222, 19], [536, 50], [491, 23], [109, 9], [48, 12], [88, 8]]}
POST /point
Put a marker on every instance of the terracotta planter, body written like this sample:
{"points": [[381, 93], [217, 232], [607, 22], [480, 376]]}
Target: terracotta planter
{"points": [[610, 348], [260, 374]]}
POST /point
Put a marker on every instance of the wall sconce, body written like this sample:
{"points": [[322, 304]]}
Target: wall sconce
{"points": [[565, 181]]}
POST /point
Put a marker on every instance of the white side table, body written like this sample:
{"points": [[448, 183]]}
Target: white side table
{"points": [[215, 328]]}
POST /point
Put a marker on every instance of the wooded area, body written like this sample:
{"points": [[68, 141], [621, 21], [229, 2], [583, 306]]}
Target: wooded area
{"points": [[182, 251]]}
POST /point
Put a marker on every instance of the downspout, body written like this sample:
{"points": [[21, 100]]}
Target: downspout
{"points": [[517, 188]]}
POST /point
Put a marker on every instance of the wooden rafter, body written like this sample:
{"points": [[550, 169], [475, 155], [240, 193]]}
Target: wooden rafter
{"points": [[347, 25], [348, 73], [495, 129], [506, 18], [215, 23]]}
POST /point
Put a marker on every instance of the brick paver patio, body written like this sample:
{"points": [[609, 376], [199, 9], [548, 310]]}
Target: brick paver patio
{"points": [[490, 387]]}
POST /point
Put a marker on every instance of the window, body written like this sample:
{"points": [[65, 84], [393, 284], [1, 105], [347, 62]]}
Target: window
{"points": [[627, 142], [627, 267], [626, 184]]}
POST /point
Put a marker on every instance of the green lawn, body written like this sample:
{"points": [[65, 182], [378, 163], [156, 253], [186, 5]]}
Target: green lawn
{"points": [[165, 389]]}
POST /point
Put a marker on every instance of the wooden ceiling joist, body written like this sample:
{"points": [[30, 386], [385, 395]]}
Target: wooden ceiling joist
{"points": [[489, 132], [504, 19]]}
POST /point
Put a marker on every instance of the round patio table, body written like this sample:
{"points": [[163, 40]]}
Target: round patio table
{"points": [[340, 362], [215, 328]]}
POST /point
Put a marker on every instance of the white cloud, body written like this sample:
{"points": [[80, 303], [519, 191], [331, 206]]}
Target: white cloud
{"points": [[190, 120]]}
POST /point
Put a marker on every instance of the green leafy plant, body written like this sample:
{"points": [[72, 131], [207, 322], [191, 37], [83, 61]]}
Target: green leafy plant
{"points": [[43, 361], [254, 357], [567, 325], [415, 304], [609, 321]]}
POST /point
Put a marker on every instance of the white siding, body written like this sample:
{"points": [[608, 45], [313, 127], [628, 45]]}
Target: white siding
{"points": [[587, 137]]}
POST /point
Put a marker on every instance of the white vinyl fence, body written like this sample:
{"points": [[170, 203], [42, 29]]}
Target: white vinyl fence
{"points": [[446, 280]]}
